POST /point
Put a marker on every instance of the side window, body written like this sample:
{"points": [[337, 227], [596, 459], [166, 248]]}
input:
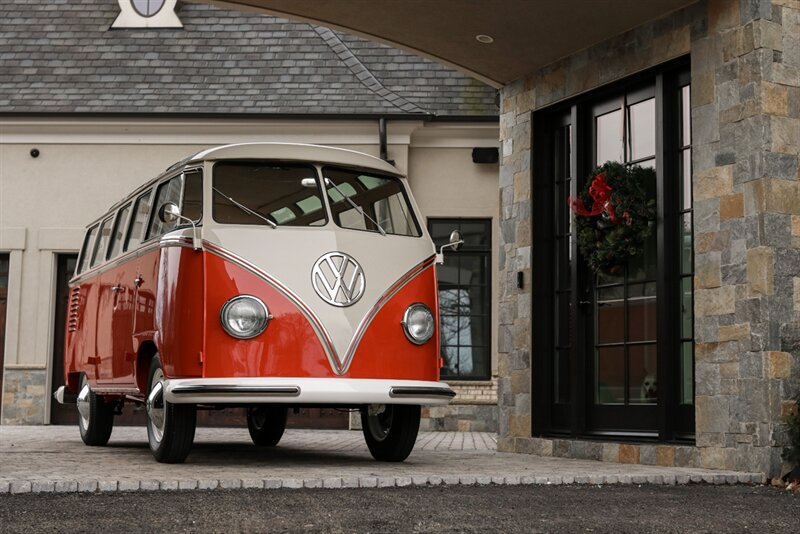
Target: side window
{"points": [[192, 207], [102, 242], [169, 191], [119, 230], [86, 250], [141, 210]]}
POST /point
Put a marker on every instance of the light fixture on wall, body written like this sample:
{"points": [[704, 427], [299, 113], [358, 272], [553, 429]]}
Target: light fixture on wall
{"points": [[485, 155]]}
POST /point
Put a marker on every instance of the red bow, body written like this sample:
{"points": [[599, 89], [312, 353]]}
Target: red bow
{"points": [[600, 192]]}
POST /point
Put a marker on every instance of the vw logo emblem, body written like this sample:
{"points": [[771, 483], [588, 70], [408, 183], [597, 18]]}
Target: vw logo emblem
{"points": [[338, 279]]}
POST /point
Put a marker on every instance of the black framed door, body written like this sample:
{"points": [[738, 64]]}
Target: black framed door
{"points": [[65, 268], [4, 268], [622, 308], [613, 354]]}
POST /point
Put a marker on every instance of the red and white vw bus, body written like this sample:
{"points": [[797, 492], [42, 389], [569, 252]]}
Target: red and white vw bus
{"points": [[264, 276]]}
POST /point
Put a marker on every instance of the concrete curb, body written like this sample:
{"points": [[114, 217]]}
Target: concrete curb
{"points": [[128, 485]]}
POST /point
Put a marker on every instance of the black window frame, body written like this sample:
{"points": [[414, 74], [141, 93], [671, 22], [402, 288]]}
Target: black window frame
{"points": [[451, 255]]}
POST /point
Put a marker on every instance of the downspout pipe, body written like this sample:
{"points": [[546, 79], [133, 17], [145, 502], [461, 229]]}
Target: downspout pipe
{"points": [[382, 138]]}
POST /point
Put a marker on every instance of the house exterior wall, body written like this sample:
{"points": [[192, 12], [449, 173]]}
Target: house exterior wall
{"points": [[745, 98], [467, 193], [86, 165]]}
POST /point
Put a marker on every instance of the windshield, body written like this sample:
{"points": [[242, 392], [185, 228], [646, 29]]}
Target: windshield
{"points": [[267, 193], [381, 200]]}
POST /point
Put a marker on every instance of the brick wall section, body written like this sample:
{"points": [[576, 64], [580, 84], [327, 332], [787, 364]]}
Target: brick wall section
{"points": [[474, 409], [745, 60]]}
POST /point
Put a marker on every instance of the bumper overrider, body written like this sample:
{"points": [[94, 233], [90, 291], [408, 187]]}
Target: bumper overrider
{"points": [[332, 391]]}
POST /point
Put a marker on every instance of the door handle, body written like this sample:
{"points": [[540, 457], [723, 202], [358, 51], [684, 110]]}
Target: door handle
{"points": [[585, 302], [138, 281], [117, 288]]}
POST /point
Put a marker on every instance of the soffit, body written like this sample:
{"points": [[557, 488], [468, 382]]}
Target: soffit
{"points": [[528, 34]]}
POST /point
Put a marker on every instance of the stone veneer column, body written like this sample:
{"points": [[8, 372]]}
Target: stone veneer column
{"points": [[746, 139], [514, 329], [745, 61]]}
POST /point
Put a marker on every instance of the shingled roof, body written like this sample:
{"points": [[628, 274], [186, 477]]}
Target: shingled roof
{"points": [[59, 56]]}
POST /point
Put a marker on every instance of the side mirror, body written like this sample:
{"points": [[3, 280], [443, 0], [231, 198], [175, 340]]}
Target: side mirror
{"points": [[455, 240], [309, 182], [169, 212], [455, 243]]}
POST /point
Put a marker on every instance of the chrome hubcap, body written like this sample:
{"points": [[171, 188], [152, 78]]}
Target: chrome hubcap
{"points": [[84, 410], [155, 406]]}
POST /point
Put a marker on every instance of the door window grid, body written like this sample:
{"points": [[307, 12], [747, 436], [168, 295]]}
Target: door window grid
{"points": [[686, 233], [625, 327], [563, 272], [465, 299]]}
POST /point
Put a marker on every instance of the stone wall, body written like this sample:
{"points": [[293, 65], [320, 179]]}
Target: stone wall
{"points": [[745, 61], [474, 409], [23, 396], [746, 105]]}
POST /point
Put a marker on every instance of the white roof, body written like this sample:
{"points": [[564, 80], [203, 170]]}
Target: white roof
{"points": [[294, 152]]}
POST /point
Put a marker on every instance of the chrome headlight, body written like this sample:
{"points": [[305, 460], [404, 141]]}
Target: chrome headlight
{"points": [[418, 323], [244, 316]]}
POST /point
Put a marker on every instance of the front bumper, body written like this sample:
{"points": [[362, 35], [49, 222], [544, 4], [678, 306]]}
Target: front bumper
{"points": [[319, 391]]}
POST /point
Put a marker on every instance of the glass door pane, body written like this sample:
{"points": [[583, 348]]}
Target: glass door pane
{"points": [[625, 320]]}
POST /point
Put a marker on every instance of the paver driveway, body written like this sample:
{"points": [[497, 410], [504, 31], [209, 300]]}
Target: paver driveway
{"points": [[53, 458]]}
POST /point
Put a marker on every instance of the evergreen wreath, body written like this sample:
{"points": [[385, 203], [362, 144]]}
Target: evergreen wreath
{"points": [[613, 216]]}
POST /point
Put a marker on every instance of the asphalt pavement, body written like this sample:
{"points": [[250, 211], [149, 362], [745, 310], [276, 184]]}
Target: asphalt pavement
{"points": [[577, 508]]}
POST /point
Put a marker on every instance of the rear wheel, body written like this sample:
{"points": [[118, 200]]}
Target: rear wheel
{"points": [[95, 416], [390, 431], [266, 424], [170, 427]]}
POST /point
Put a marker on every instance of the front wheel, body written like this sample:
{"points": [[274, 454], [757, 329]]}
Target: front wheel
{"points": [[95, 416], [266, 424], [390, 431], [170, 427]]}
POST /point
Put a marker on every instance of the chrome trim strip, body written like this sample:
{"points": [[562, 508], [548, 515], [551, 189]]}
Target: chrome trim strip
{"points": [[166, 242], [401, 391], [233, 389]]}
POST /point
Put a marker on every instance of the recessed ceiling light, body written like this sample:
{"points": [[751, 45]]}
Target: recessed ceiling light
{"points": [[485, 39]]}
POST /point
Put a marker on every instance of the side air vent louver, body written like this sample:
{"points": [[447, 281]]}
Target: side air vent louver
{"points": [[74, 304]]}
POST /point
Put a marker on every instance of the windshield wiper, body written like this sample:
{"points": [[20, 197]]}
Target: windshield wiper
{"points": [[245, 208], [355, 206]]}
